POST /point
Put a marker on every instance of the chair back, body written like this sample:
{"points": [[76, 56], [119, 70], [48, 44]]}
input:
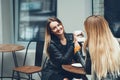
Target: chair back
{"points": [[26, 52], [38, 52]]}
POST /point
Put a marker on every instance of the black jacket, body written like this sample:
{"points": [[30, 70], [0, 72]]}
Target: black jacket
{"points": [[86, 62], [58, 54]]}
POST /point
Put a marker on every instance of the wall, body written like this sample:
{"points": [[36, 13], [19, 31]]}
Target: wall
{"points": [[0, 23], [6, 21], [71, 12], [6, 30]]}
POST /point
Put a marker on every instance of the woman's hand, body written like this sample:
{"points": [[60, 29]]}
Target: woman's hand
{"points": [[77, 47]]}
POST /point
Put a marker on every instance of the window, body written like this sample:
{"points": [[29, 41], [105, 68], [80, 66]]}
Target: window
{"points": [[30, 18]]}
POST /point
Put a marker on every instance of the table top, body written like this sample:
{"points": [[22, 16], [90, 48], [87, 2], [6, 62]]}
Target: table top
{"points": [[77, 70], [10, 47]]}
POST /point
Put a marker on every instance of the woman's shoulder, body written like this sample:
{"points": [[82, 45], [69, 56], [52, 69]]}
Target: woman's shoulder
{"points": [[53, 43], [69, 36]]}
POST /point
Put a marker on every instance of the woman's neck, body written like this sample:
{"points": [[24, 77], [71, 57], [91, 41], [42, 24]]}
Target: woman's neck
{"points": [[63, 40]]}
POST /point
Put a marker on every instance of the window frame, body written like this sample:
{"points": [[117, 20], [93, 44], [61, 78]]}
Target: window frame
{"points": [[46, 15]]}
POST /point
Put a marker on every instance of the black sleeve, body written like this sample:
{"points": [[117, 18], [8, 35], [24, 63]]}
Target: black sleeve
{"points": [[57, 57], [86, 62], [80, 58]]}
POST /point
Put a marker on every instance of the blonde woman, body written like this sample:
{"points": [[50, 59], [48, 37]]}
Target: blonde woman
{"points": [[103, 48]]}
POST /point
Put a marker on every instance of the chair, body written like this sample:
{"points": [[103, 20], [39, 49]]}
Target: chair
{"points": [[27, 69]]}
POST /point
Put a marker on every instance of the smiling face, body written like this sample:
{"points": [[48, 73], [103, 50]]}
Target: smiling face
{"points": [[56, 28]]}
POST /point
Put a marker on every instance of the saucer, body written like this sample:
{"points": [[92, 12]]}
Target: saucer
{"points": [[76, 65]]}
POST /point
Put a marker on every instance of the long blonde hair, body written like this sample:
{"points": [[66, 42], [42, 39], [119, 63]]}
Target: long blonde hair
{"points": [[103, 47]]}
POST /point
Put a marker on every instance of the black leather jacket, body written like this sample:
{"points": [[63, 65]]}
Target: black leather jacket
{"points": [[58, 54], [86, 62]]}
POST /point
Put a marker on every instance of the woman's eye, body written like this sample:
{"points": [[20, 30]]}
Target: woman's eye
{"points": [[54, 28], [58, 25]]}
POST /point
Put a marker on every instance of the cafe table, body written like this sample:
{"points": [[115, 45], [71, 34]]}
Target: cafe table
{"points": [[76, 70], [12, 48]]}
